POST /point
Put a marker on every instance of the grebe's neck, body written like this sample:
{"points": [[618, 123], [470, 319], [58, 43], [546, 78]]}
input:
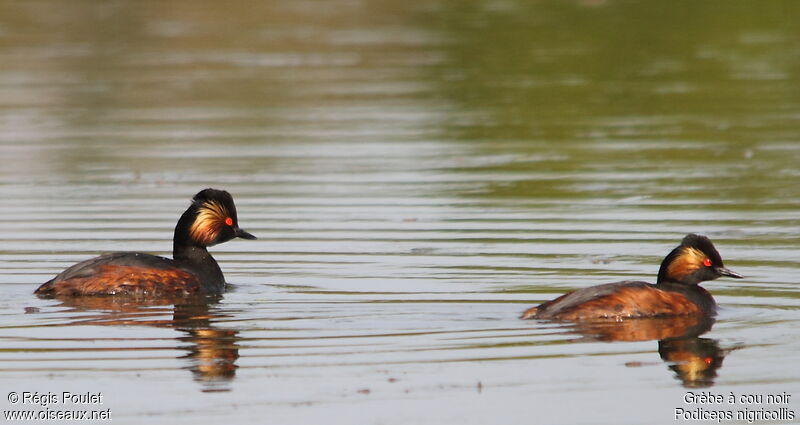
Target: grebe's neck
{"points": [[198, 260], [195, 258], [695, 293]]}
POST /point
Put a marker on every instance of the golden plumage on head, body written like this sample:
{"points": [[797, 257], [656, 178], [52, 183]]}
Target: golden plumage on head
{"points": [[687, 262], [212, 216]]}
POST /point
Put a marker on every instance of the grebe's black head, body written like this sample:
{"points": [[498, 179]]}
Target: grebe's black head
{"points": [[695, 260], [210, 219]]}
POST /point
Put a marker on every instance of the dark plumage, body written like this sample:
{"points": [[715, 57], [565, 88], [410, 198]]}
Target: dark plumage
{"points": [[209, 220], [676, 292]]}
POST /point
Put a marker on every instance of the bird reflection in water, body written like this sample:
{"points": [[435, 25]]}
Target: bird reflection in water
{"points": [[694, 360], [212, 352]]}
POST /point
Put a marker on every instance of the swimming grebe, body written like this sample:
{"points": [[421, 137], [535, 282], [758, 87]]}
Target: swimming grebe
{"points": [[209, 220], [676, 292]]}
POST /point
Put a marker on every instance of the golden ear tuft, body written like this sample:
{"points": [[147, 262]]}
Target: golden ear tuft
{"points": [[211, 216], [686, 263]]}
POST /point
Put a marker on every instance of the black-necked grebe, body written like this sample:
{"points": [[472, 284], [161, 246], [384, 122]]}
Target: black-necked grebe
{"points": [[209, 220], [676, 292]]}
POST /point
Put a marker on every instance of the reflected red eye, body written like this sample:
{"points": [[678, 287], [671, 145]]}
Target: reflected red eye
{"points": [[229, 222], [707, 262]]}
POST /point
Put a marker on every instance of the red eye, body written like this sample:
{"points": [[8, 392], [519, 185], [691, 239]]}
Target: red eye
{"points": [[229, 222], [707, 262]]}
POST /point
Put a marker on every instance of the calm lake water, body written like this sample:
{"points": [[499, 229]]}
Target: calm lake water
{"points": [[418, 173]]}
